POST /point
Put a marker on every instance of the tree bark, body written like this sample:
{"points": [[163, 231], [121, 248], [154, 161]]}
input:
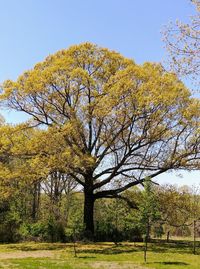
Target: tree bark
{"points": [[89, 214], [168, 233], [36, 201]]}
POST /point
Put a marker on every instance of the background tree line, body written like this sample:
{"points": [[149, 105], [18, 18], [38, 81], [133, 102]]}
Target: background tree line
{"points": [[52, 210]]}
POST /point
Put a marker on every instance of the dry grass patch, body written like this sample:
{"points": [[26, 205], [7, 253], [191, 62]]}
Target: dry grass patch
{"points": [[28, 254], [115, 265]]}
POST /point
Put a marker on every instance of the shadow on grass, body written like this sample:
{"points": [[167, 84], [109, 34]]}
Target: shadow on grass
{"points": [[171, 263], [110, 250], [37, 247], [86, 257], [169, 249], [178, 247], [87, 249], [95, 249]]}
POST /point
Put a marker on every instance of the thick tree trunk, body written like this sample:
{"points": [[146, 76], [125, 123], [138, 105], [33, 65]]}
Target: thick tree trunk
{"points": [[89, 214], [36, 201]]}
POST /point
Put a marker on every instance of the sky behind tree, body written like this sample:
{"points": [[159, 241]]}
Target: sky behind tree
{"points": [[33, 29]]}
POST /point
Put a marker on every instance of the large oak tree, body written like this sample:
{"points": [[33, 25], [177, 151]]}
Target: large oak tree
{"points": [[109, 122]]}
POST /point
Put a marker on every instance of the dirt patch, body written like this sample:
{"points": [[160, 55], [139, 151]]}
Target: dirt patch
{"points": [[115, 265], [26, 254]]}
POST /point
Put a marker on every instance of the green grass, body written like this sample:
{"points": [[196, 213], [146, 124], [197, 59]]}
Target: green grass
{"points": [[174, 255]]}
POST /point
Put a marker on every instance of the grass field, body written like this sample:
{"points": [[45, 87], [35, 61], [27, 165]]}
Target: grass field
{"points": [[174, 255]]}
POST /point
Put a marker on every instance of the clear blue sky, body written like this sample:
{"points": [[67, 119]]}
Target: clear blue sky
{"points": [[32, 29]]}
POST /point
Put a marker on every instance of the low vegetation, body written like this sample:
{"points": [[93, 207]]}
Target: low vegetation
{"points": [[174, 255]]}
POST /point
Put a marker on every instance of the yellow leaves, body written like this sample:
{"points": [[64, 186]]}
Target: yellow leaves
{"points": [[17, 159], [84, 163], [85, 70], [78, 62], [90, 98], [143, 87], [193, 109], [9, 87]]}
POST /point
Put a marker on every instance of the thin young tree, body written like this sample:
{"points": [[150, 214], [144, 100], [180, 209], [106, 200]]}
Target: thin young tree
{"points": [[149, 212]]}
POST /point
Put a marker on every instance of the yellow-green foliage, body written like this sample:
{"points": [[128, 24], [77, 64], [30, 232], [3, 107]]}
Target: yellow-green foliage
{"points": [[101, 109]]}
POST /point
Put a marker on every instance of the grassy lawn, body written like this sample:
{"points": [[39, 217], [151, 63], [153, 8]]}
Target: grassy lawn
{"points": [[173, 255]]}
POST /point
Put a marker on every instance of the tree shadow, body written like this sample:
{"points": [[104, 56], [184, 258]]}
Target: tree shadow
{"points": [[110, 250], [179, 247], [171, 263], [37, 247], [86, 257], [169, 249]]}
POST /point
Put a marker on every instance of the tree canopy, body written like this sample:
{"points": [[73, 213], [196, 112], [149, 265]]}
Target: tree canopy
{"points": [[108, 122], [182, 43]]}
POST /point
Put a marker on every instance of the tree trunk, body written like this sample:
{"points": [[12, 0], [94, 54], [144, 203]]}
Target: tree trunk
{"points": [[36, 201], [89, 214], [168, 233]]}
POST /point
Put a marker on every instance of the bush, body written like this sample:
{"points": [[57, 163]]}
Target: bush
{"points": [[43, 231]]}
